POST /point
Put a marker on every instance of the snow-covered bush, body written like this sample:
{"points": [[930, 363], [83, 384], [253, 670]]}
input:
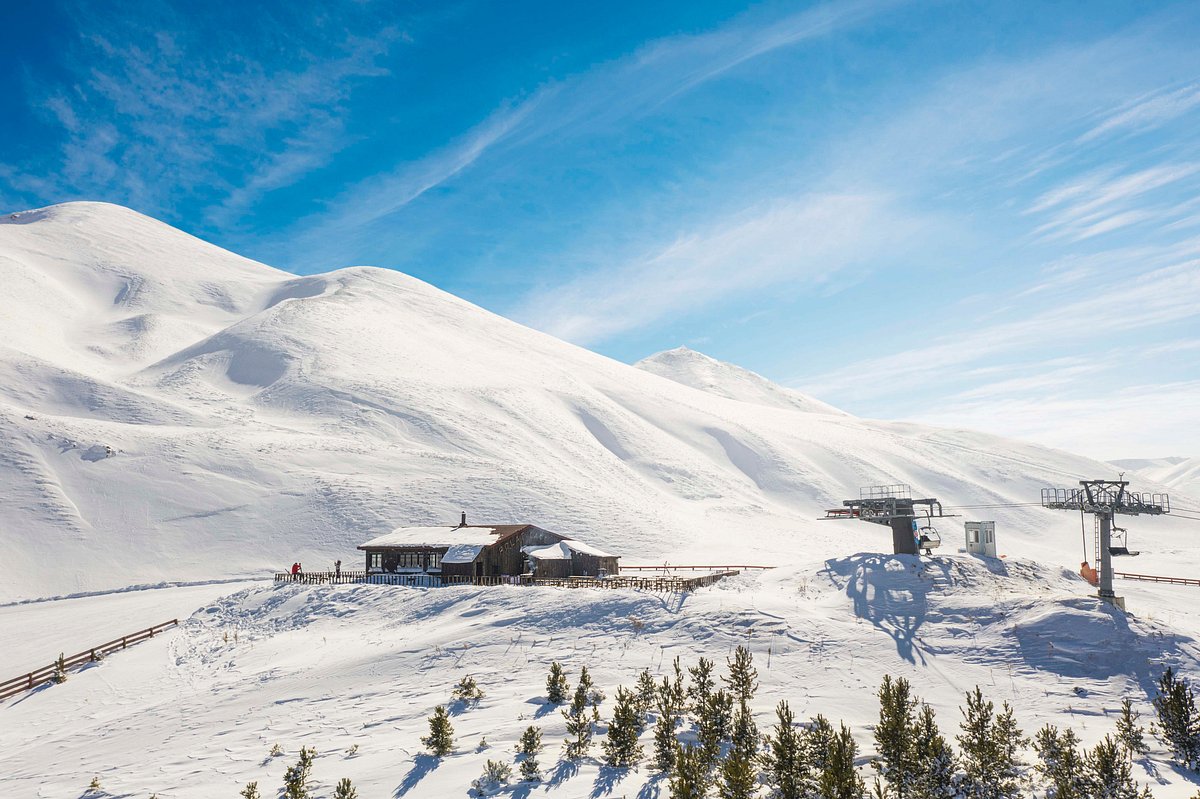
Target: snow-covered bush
{"points": [[345, 790], [250, 791], [495, 774], [467, 690], [295, 779], [1178, 719], [556, 685], [530, 748]]}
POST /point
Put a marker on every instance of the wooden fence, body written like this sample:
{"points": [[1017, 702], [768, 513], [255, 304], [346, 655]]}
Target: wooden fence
{"points": [[669, 567], [1155, 578], [27, 682], [665, 584]]}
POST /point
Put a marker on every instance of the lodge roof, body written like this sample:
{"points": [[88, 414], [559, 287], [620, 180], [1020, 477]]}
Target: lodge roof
{"points": [[445, 536]]}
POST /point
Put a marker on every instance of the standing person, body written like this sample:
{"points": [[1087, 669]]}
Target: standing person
{"points": [[337, 568], [295, 571]]}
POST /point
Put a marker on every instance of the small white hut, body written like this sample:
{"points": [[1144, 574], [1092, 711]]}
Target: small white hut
{"points": [[981, 538]]}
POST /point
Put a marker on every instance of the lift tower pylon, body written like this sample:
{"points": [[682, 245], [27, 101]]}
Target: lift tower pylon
{"points": [[1104, 499]]}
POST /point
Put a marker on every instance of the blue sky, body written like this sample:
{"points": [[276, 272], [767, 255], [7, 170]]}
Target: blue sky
{"points": [[983, 215]]}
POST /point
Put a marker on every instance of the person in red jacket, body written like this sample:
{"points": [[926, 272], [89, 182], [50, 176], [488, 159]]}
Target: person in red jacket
{"points": [[295, 570]]}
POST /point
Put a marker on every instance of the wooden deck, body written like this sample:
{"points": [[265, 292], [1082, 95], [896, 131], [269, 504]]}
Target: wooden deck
{"points": [[664, 584]]}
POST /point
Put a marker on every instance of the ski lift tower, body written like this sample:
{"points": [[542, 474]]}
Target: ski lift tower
{"points": [[1105, 499], [894, 506]]}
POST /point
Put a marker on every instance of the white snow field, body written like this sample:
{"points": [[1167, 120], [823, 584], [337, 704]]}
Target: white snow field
{"points": [[173, 413], [195, 712], [1178, 474]]}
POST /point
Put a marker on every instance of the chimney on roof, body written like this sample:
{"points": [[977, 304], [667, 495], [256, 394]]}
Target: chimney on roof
{"points": [[463, 523]]}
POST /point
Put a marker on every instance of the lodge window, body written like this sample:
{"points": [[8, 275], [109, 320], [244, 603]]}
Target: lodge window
{"points": [[411, 560], [376, 560], [435, 560]]}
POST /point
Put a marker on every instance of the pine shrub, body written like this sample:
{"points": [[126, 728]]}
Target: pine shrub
{"points": [[895, 737], [1178, 719], [621, 748], [990, 743], [495, 774], [440, 741], [738, 770], [700, 687], [1131, 734], [743, 677], [646, 692], [838, 778], [556, 685], [467, 691], [60, 669], [785, 759], [934, 764], [690, 777], [1060, 763], [295, 779], [250, 791], [530, 748], [594, 696], [345, 789], [579, 721], [1109, 773], [664, 733]]}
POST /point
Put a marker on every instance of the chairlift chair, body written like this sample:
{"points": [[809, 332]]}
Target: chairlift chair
{"points": [[928, 538], [1121, 546]]}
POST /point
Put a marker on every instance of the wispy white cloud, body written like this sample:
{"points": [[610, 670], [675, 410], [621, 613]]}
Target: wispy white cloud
{"points": [[1148, 112], [805, 241]]}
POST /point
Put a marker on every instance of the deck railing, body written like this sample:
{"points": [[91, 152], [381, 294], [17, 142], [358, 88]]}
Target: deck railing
{"points": [[30, 680], [668, 584]]}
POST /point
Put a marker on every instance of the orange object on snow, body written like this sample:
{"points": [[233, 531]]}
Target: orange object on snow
{"points": [[1089, 574]]}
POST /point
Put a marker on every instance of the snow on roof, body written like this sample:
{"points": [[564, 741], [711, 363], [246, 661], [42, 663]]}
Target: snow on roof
{"points": [[462, 553], [563, 549], [559, 551], [433, 537]]}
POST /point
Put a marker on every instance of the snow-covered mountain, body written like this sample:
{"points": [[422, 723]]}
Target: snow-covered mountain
{"points": [[728, 380], [1178, 473], [171, 411]]}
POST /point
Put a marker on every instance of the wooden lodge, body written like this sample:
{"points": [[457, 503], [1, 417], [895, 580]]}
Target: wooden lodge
{"points": [[485, 550]]}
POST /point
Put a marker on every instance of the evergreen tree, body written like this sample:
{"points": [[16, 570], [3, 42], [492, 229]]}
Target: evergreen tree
{"points": [[1178, 719], [646, 692], [295, 779], [60, 669], [894, 737], [440, 740], [592, 695], [838, 779], [934, 765], [1108, 772], [556, 685], [621, 747], [250, 791], [785, 761], [579, 720], [1131, 734], [664, 733], [819, 742], [1060, 763], [738, 771], [494, 775], [990, 744], [531, 747], [467, 690], [345, 789], [715, 724], [690, 777], [700, 687], [743, 677]]}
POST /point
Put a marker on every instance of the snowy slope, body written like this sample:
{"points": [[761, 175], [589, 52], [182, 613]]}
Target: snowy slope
{"points": [[196, 415], [1178, 474], [728, 380], [195, 712]]}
